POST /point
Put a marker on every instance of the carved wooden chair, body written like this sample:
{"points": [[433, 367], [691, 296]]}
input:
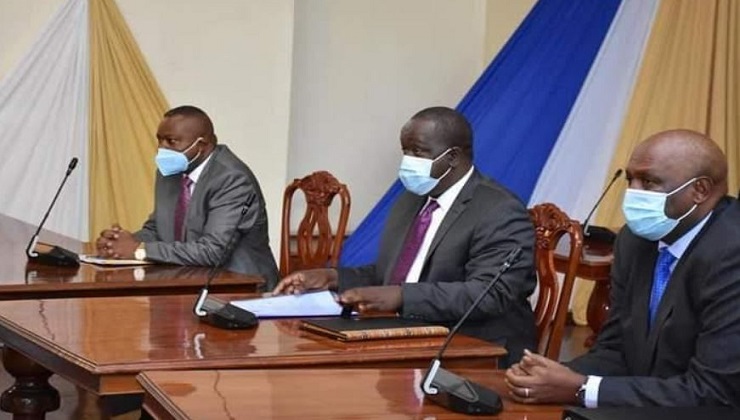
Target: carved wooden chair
{"points": [[316, 243], [551, 310]]}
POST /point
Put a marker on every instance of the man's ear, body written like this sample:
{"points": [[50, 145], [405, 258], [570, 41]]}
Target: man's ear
{"points": [[453, 156], [702, 189]]}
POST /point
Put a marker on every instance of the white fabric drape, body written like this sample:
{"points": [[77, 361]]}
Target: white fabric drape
{"points": [[44, 123], [574, 174]]}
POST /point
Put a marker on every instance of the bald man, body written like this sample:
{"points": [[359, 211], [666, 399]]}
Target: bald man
{"points": [[200, 191], [673, 333]]}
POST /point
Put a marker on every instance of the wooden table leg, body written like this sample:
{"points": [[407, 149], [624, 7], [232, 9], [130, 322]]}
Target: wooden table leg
{"points": [[31, 396], [598, 309]]}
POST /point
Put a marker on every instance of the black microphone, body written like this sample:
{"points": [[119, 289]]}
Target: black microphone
{"points": [[599, 233], [215, 311], [455, 392], [49, 254]]}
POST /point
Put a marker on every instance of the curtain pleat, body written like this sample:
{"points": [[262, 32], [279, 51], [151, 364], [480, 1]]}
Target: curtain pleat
{"points": [[44, 123], [126, 107]]}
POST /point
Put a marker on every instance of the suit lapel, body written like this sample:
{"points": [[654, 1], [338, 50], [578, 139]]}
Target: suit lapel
{"points": [[642, 312], [457, 208], [675, 285], [200, 188]]}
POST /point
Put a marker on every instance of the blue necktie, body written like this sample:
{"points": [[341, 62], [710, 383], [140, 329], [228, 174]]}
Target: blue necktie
{"points": [[660, 281]]}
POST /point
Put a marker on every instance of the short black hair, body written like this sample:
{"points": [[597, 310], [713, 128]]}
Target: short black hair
{"points": [[191, 111], [450, 127]]}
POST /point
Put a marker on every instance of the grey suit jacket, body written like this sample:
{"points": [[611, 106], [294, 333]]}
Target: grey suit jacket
{"points": [[223, 187], [691, 355], [483, 225]]}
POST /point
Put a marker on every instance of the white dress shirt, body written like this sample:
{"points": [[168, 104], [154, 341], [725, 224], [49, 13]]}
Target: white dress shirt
{"points": [[445, 201]]}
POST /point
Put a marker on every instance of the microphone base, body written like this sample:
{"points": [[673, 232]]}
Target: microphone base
{"points": [[463, 396], [56, 256], [600, 234], [227, 316]]}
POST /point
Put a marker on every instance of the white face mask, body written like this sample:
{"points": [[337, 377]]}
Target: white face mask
{"points": [[171, 162], [645, 212], [415, 173]]}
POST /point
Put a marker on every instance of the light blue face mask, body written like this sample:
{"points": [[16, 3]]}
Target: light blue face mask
{"points": [[645, 212], [172, 162], [415, 174]]}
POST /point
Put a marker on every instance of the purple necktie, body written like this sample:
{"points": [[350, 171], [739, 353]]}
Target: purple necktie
{"points": [[182, 207], [413, 242]]}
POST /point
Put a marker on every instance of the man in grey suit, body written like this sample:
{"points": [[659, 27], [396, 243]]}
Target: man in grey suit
{"points": [[673, 333], [434, 272], [201, 191]]}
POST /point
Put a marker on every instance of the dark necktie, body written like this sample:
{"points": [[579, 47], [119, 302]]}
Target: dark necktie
{"points": [[183, 200], [660, 281], [413, 242]]}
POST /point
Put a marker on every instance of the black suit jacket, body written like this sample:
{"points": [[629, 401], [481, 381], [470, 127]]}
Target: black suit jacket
{"points": [[215, 207], [482, 226], [691, 355]]}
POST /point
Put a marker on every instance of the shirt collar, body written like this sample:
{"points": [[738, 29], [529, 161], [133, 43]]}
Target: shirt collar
{"points": [[678, 248], [446, 199], [195, 173]]}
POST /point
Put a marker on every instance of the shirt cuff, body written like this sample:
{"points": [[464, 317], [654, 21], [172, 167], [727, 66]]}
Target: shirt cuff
{"points": [[591, 399]]}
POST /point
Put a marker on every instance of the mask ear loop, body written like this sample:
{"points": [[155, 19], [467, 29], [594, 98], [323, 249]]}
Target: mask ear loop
{"points": [[685, 184], [190, 147], [436, 159]]}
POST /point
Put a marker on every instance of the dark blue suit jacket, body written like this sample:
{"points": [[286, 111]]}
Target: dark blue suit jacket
{"points": [[691, 355]]}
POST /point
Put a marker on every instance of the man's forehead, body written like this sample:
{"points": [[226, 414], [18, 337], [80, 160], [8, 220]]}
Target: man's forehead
{"points": [[658, 158], [419, 131], [178, 123]]}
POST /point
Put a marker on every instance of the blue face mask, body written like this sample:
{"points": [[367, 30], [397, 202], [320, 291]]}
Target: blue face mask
{"points": [[172, 162], [645, 212], [415, 174]]}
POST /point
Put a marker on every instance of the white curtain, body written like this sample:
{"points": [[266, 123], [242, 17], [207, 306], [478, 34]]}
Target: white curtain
{"points": [[574, 174], [44, 123]]}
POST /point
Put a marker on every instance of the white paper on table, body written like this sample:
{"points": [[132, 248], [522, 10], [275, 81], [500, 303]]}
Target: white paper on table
{"points": [[306, 304]]}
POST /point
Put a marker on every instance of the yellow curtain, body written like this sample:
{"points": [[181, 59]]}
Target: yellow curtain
{"points": [[126, 106], [689, 79]]}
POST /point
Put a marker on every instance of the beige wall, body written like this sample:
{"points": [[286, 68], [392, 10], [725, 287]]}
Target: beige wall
{"points": [[502, 19], [361, 69], [296, 86], [21, 22]]}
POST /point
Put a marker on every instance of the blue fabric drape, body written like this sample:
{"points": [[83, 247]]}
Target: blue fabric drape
{"points": [[519, 105]]}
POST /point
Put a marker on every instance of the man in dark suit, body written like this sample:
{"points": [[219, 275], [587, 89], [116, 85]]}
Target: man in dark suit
{"points": [[673, 333], [201, 189], [434, 272]]}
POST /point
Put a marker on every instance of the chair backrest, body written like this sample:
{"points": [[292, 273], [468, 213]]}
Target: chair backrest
{"points": [[317, 244], [551, 310]]}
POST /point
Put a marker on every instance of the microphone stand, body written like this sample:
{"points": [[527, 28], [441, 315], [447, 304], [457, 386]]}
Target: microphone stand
{"points": [[599, 233], [214, 311], [452, 391], [55, 255]]}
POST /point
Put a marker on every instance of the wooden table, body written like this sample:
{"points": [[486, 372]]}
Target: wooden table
{"points": [[101, 344], [312, 394], [595, 264], [22, 280]]}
